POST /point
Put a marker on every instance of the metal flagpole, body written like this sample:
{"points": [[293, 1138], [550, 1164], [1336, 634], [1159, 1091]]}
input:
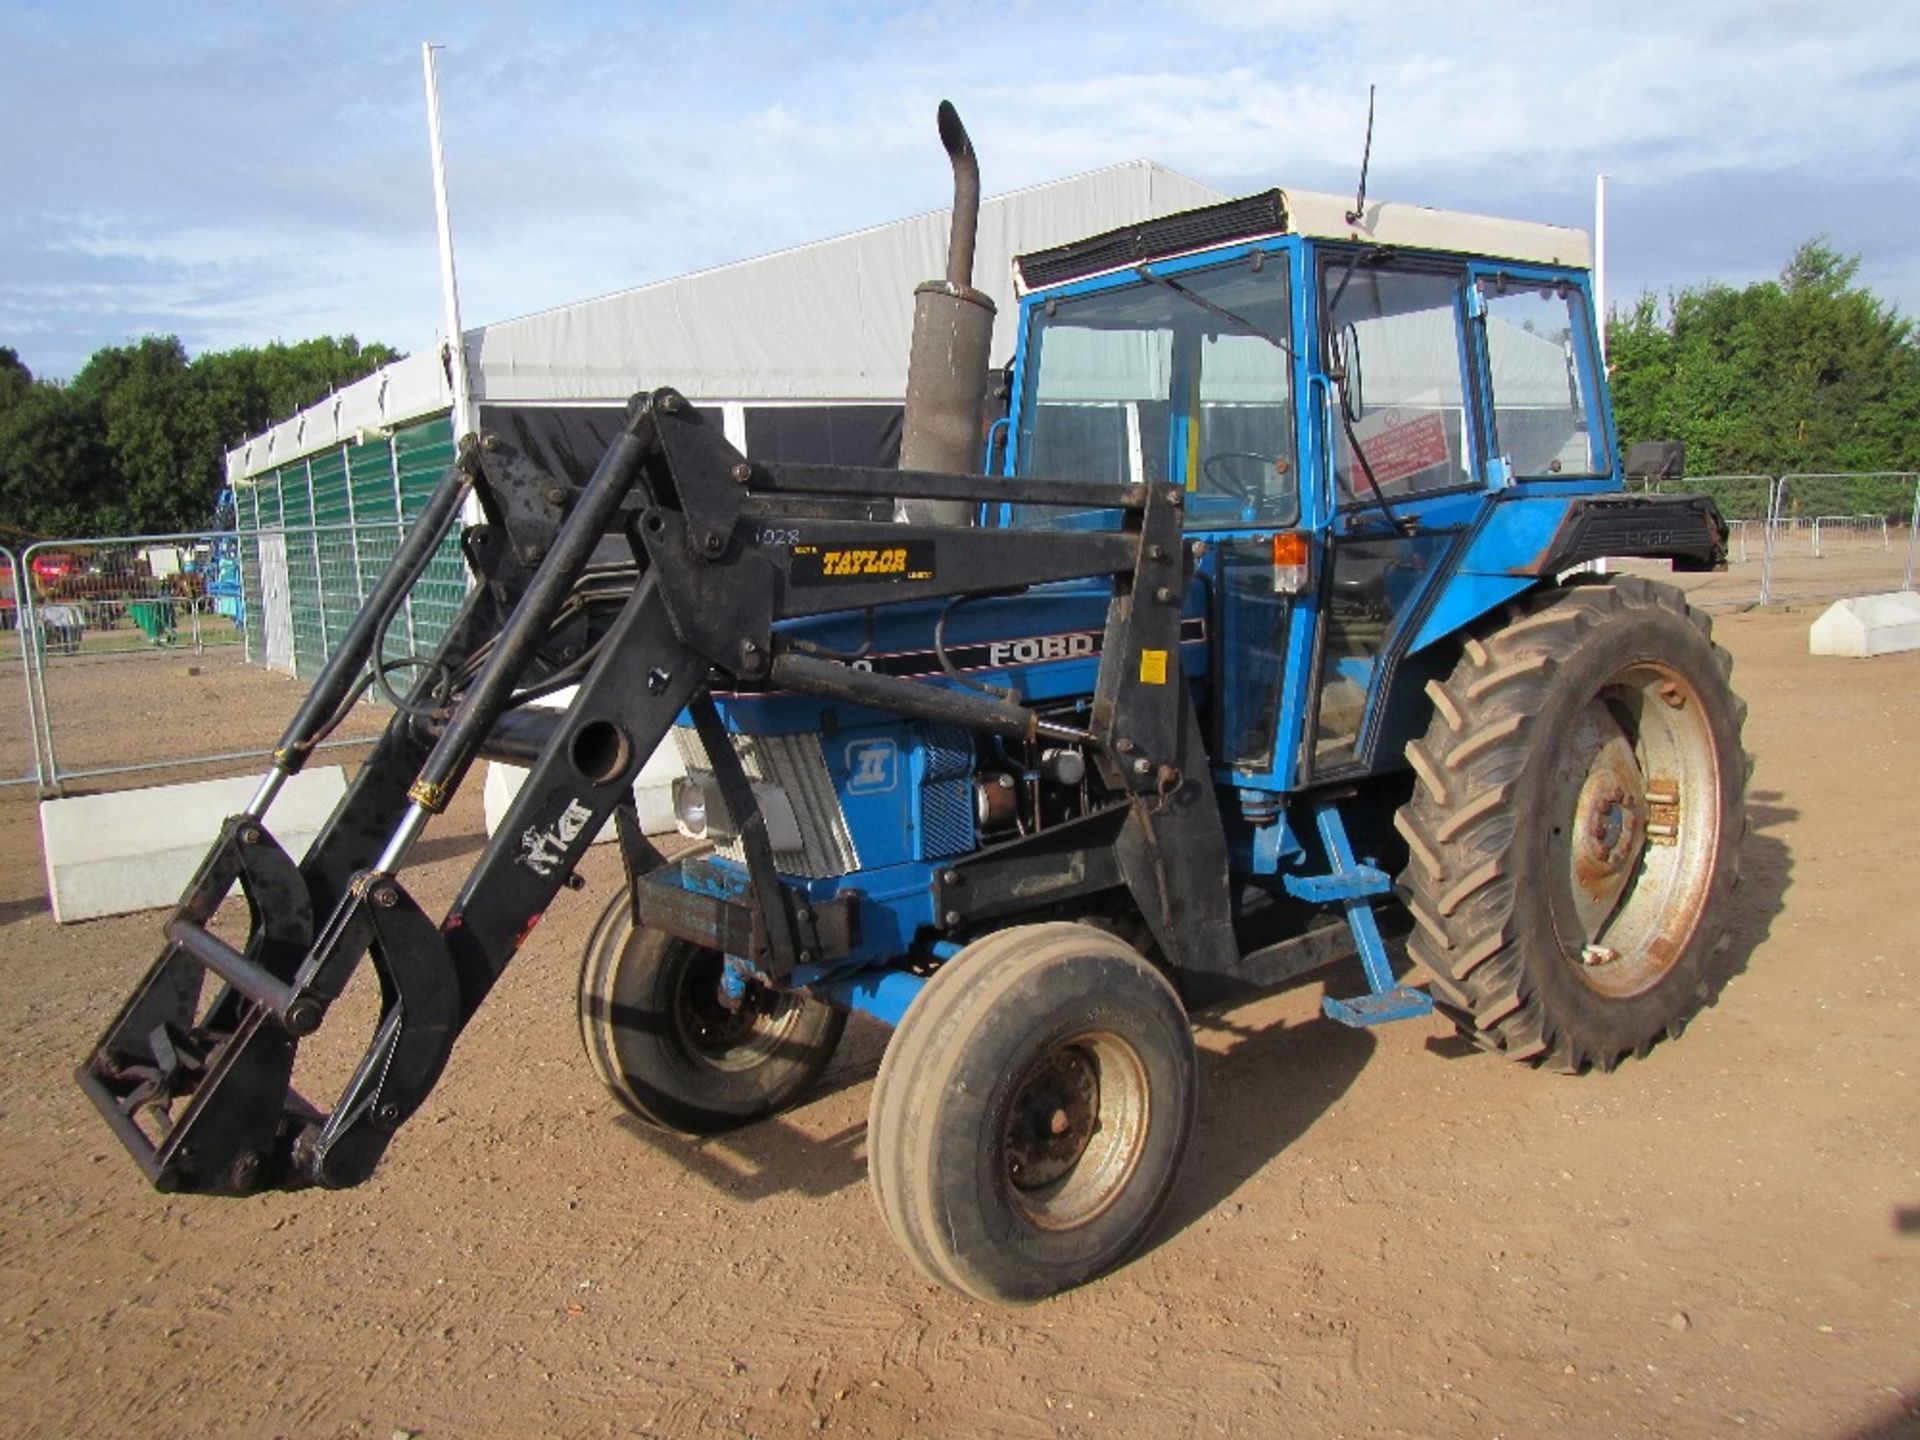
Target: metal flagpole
{"points": [[1600, 259], [449, 285]]}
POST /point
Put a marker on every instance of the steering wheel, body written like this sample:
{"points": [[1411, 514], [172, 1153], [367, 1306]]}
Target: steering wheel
{"points": [[1217, 472]]}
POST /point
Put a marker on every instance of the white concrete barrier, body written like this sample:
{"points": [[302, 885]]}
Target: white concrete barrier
{"points": [[652, 793], [137, 849], [1868, 625], [652, 787]]}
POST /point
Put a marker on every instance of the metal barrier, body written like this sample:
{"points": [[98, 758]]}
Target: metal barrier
{"points": [[19, 727], [153, 652], [1748, 504], [1839, 534], [135, 648]]}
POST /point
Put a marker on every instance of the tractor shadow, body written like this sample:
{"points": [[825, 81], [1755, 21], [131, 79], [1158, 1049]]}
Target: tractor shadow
{"points": [[802, 1151], [1262, 1087], [1766, 874], [1258, 1095]]}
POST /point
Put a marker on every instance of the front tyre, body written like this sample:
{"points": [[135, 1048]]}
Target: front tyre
{"points": [[1031, 1112], [1575, 828], [660, 1038]]}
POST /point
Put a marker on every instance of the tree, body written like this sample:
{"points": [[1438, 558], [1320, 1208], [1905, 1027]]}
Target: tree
{"points": [[137, 442], [1808, 373], [15, 378]]}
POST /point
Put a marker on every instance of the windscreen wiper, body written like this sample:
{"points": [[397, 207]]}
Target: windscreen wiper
{"points": [[1278, 342], [1373, 255]]}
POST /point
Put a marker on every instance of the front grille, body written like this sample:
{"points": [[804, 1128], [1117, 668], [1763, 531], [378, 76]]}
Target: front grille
{"points": [[946, 795], [794, 763]]}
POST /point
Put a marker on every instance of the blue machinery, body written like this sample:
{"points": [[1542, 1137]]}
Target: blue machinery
{"points": [[1122, 733]]}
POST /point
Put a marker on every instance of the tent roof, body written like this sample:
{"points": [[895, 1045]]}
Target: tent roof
{"points": [[828, 321]]}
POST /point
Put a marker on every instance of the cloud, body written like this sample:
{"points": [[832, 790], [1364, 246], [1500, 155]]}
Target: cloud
{"points": [[242, 172]]}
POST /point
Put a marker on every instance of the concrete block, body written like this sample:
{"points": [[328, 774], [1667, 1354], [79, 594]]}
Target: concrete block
{"points": [[137, 849], [1868, 625], [652, 788]]}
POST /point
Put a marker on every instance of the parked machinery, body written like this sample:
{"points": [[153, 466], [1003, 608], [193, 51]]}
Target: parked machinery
{"points": [[1273, 596]]}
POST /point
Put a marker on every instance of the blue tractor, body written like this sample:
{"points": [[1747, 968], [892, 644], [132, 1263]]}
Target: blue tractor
{"points": [[1273, 650]]}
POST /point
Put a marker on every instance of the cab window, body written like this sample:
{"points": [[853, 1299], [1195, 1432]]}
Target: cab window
{"points": [[1394, 347], [1543, 415]]}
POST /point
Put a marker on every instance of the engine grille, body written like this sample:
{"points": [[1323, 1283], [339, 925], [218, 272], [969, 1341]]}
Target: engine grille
{"points": [[794, 763], [946, 795]]}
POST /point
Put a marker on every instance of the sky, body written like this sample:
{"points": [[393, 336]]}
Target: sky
{"points": [[240, 173]]}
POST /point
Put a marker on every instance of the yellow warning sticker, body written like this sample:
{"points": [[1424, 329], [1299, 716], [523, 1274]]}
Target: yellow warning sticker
{"points": [[1153, 667]]}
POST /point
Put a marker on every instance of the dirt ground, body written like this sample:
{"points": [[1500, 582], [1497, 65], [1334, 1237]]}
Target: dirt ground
{"points": [[1377, 1233]]}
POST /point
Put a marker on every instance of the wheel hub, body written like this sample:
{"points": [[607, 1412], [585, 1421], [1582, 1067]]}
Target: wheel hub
{"points": [[1634, 837], [1054, 1115], [728, 1030], [1608, 826]]}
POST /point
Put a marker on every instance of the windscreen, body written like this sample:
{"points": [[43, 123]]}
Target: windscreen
{"points": [[1183, 378]]}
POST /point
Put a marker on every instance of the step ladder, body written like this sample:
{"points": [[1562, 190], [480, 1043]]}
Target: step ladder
{"points": [[1352, 886]]}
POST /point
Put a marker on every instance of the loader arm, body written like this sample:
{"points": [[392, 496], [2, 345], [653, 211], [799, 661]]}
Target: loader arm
{"points": [[711, 552]]}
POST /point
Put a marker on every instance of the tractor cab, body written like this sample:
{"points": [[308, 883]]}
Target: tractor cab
{"points": [[1334, 397]]}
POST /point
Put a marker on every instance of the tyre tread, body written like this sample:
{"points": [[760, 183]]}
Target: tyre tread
{"points": [[1460, 827]]}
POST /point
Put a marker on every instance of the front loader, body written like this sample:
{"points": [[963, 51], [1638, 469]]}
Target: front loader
{"points": [[1282, 588]]}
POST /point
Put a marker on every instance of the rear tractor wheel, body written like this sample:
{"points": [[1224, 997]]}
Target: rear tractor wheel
{"points": [[1031, 1111], [1576, 824], [674, 1051]]}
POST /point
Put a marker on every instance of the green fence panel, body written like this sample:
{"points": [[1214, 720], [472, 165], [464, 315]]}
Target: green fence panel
{"points": [[376, 520], [370, 482], [303, 572], [334, 544], [421, 455]]}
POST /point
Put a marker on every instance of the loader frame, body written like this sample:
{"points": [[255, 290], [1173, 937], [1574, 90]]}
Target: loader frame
{"points": [[703, 553]]}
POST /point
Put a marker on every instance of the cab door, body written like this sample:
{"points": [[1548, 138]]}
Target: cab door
{"points": [[1404, 466]]}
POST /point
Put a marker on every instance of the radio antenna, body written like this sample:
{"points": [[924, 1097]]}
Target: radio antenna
{"points": [[1360, 196]]}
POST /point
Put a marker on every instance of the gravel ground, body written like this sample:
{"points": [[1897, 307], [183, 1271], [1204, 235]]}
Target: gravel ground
{"points": [[1376, 1234]]}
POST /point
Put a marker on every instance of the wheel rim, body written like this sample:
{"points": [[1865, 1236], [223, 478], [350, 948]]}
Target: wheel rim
{"points": [[1075, 1130], [723, 1038], [1636, 828]]}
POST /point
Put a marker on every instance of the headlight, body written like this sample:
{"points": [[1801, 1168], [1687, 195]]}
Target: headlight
{"points": [[690, 805]]}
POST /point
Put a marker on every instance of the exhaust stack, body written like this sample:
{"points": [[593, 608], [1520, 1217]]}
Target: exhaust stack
{"points": [[952, 334]]}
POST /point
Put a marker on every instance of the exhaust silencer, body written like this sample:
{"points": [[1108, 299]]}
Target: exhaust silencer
{"points": [[952, 335]]}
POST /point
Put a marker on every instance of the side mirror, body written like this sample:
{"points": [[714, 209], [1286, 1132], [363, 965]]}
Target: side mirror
{"points": [[1345, 362]]}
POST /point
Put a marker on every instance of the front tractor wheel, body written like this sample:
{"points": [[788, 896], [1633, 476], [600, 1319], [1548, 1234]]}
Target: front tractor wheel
{"points": [[672, 1050], [1031, 1111], [1575, 828]]}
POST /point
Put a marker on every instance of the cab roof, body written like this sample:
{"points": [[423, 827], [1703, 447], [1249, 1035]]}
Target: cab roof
{"points": [[1309, 213]]}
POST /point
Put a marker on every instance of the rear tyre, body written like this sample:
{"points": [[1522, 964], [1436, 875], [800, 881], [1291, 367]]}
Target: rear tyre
{"points": [[660, 1039], [1575, 828], [1031, 1112]]}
